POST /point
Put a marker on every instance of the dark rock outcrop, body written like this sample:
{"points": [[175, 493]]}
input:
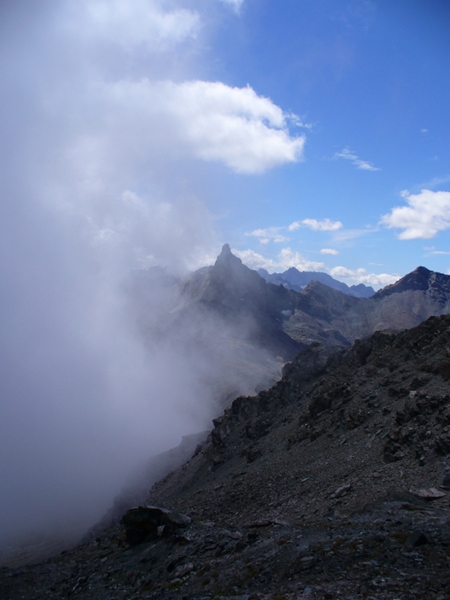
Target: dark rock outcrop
{"points": [[436, 286]]}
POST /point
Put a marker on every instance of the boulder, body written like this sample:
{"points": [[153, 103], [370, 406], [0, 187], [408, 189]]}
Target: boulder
{"points": [[143, 522]]}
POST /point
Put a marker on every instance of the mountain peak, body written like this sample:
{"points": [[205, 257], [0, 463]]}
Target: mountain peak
{"points": [[421, 279], [226, 257]]}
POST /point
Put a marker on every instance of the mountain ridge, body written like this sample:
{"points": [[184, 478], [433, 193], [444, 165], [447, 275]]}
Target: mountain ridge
{"points": [[297, 280]]}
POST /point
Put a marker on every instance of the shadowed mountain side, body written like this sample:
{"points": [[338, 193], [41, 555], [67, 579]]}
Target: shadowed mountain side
{"points": [[435, 286], [326, 315], [244, 301]]}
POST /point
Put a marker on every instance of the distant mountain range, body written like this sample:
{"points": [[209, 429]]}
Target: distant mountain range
{"points": [[281, 316], [294, 279]]}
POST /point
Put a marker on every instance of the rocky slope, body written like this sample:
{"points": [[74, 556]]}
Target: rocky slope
{"points": [[329, 485]]}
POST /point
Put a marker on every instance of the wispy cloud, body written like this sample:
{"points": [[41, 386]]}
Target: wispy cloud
{"points": [[315, 225], [352, 234], [270, 234], [431, 183], [433, 250], [235, 4], [427, 213], [274, 234], [362, 276], [364, 165], [286, 258], [330, 251]]}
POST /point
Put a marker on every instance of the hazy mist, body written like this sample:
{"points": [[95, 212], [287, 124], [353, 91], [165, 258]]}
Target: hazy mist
{"points": [[105, 120], [88, 194]]}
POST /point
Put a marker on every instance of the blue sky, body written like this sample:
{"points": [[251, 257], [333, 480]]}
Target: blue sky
{"points": [[370, 82]]}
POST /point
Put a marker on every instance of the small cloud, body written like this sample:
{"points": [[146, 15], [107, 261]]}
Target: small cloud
{"points": [[270, 234], [432, 250], [427, 213], [354, 159], [325, 225], [286, 258], [361, 276], [329, 251], [424, 130]]}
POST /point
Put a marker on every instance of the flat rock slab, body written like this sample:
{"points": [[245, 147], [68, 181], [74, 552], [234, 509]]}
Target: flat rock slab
{"points": [[428, 494]]}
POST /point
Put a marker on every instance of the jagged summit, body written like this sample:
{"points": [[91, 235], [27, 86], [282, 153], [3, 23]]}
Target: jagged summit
{"points": [[227, 258], [433, 284]]}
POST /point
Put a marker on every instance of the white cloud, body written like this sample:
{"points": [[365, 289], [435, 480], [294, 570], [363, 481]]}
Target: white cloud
{"points": [[330, 251], [209, 120], [269, 234], [286, 258], [427, 213], [234, 125], [361, 276], [325, 225], [140, 22], [235, 4], [354, 159]]}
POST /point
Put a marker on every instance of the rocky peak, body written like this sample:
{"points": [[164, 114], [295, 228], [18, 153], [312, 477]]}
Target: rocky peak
{"points": [[422, 279], [227, 257]]}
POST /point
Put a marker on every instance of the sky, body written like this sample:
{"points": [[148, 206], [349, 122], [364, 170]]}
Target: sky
{"points": [[367, 198], [150, 132]]}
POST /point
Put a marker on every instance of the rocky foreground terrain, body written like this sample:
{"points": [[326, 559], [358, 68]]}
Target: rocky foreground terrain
{"points": [[332, 484]]}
